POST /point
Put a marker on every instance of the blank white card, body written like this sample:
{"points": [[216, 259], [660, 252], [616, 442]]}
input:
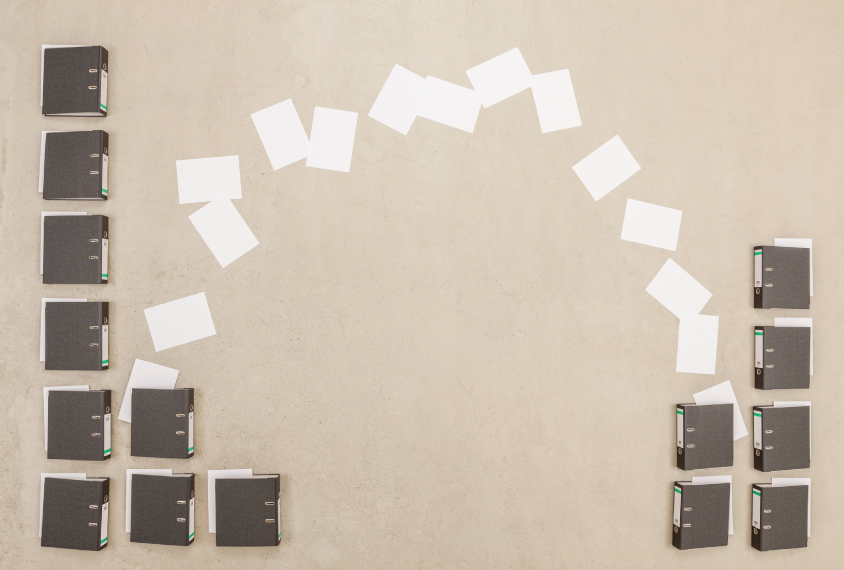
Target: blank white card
{"points": [[180, 321]]}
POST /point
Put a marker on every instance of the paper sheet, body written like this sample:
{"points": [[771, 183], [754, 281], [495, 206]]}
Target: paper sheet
{"points": [[44, 302], [47, 391], [282, 134], [224, 230], [500, 77], [179, 322], [146, 375], [449, 104], [332, 139], [723, 394], [678, 291], [129, 473], [697, 344], [43, 47], [795, 482], [800, 242], [213, 475], [397, 102], [41, 164], [709, 480], [42, 229], [206, 179], [797, 404], [801, 322], [77, 476], [650, 224], [606, 168], [556, 105]]}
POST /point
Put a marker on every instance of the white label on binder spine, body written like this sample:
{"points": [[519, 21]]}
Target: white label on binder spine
{"points": [[105, 346], [104, 525], [105, 174], [760, 340], [190, 521], [757, 429], [757, 267], [679, 428], [190, 432], [106, 435], [103, 90], [757, 508], [104, 274], [278, 517], [677, 501]]}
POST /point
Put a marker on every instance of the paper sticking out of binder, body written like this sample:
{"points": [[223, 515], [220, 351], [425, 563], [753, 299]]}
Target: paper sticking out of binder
{"points": [[78, 424], [781, 514], [160, 506], [702, 513], [74, 81], [246, 509], [782, 436], [704, 436], [74, 511], [74, 165], [782, 357], [74, 249], [162, 423], [75, 335], [781, 277]]}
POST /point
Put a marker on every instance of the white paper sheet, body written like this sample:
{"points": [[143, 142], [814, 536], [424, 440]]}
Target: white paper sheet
{"points": [[678, 291], [723, 394], [500, 77], [398, 100], [332, 139], [795, 482], [556, 105], [224, 230], [43, 47], [206, 179], [801, 322], [606, 168], [77, 476], [146, 375], [179, 322], [44, 302], [47, 391], [41, 164], [800, 242], [697, 344], [42, 229], [449, 104], [650, 224], [799, 404], [711, 479], [282, 134], [129, 473], [213, 475]]}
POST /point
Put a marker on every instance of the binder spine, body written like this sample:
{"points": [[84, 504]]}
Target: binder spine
{"points": [[103, 83], [191, 510], [106, 424], [756, 521], [103, 518], [190, 423], [104, 165], [278, 509], [104, 335], [104, 249], [759, 357], [758, 288], [681, 428], [758, 440]]}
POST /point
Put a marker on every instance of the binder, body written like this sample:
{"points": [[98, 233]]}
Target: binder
{"points": [[76, 336], [79, 425], [162, 423], [75, 165], [701, 515], [780, 517], [249, 511], [163, 509], [704, 436], [782, 357], [781, 277], [75, 513], [74, 81], [75, 249], [781, 438]]}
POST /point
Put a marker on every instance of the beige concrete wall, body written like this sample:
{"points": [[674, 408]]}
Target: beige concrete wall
{"points": [[448, 353]]}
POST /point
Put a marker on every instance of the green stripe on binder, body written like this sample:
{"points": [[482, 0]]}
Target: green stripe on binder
{"points": [[190, 449], [107, 451], [758, 333], [757, 414], [105, 362], [676, 490], [680, 412], [757, 252], [103, 541], [757, 493], [190, 536], [104, 108]]}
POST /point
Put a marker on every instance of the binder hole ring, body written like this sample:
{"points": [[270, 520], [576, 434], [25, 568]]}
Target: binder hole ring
{"points": [[755, 531], [105, 234], [105, 150], [105, 499], [105, 320], [676, 530], [758, 290], [105, 67]]}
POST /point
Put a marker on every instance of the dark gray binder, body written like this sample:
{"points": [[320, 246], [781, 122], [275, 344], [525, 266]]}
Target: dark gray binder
{"points": [[782, 357], [701, 515], [781, 438], [76, 166], [248, 511], [780, 517], [76, 336], [75, 249], [75, 513], [75, 81], [704, 436], [781, 277], [79, 425], [162, 423], [163, 509]]}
